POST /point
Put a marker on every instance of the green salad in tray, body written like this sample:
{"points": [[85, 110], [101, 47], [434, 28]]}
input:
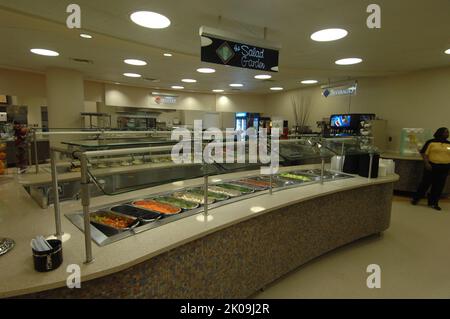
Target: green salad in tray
{"points": [[242, 189], [296, 177]]}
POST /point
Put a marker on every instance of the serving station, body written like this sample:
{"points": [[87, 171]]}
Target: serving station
{"points": [[216, 231]]}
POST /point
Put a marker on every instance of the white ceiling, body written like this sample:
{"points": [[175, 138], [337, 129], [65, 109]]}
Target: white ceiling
{"points": [[413, 36]]}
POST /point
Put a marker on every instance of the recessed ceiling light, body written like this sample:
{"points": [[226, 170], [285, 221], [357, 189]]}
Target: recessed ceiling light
{"points": [[217, 91], [447, 51], [167, 54], [44, 52], [277, 88], [132, 75], [309, 81], [86, 36], [148, 19], [189, 81], [177, 87], [329, 35], [263, 76], [348, 61], [206, 70], [135, 62], [236, 85]]}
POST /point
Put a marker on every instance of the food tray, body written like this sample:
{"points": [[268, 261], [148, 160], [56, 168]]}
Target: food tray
{"points": [[132, 222], [143, 215], [247, 182], [244, 189], [183, 204], [217, 197], [139, 204]]}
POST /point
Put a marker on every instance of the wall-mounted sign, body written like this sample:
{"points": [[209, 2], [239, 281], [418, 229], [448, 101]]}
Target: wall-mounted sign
{"points": [[162, 98], [220, 48], [340, 89]]}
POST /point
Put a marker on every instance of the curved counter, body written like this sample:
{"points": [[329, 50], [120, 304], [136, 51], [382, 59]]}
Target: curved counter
{"points": [[410, 170], [243, 247]]}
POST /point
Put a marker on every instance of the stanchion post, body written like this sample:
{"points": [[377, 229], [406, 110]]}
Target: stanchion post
{"points": [[55, 190]]}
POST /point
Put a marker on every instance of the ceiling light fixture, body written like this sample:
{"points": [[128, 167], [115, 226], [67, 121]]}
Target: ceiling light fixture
{"points": [[236, 85], [309, 81], [348, 61], [217, 91], [177, 87], [188, 80], [263, 76], [132, 75], [277, 88], [168, 54], [135, 62], [447, 51], [329, 35], [206, 70], [86, 36], [148, 19], [44, 52]]}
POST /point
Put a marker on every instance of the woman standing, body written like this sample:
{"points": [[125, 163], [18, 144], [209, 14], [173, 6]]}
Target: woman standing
{"points": [[20, 136], [436, 156]]}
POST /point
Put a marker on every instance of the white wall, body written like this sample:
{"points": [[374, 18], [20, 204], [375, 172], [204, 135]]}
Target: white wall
{"points": [[418, 99]]}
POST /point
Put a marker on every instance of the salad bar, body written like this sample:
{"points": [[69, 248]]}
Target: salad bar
{"points": [[121, 220]]}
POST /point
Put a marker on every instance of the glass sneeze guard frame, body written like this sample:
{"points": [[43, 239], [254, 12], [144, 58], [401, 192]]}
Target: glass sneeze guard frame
{"points": [[86, 180]]}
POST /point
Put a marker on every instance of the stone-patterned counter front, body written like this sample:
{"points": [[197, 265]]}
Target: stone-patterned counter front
{"points": [[238, 260], [410, 170]]}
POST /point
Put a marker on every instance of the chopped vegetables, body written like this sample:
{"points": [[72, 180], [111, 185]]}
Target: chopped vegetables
{"points": [[111, 220], [227, 192], [192, 197], [239, 188], [216, 196], [176, 202], [256, 183], [296, 177], [157, 206]]}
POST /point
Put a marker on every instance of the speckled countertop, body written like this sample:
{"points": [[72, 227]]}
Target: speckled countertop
{"points": [[22, 219], [398, 156]]}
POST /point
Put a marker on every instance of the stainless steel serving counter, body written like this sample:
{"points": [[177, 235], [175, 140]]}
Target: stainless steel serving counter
{"points": [[242, 246]]}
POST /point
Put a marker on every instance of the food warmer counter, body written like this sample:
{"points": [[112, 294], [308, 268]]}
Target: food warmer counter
{"points": [[123, 219]]}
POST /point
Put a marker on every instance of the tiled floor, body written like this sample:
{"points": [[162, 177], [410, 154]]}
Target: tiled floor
{"points": [[414, 256]]}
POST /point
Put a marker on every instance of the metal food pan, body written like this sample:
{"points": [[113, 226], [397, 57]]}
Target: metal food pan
{"points": [[195, 205], [109, 229], [201, 190], [153, 211], [141, 214], [251, 189]]}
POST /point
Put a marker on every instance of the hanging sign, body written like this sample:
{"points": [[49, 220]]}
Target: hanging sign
{"points": [[218, 48], [338, 90]]}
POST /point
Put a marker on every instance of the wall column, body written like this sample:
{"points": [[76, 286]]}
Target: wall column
{"points": [[65, 97]]}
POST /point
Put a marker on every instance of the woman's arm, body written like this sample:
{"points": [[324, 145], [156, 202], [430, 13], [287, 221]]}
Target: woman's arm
{"points": [[426, 161]]}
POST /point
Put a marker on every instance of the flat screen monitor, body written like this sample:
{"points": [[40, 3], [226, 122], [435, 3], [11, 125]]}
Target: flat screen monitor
{"points": [[341, 120]]}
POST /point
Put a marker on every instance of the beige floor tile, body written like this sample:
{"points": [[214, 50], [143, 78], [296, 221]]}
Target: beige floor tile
{"points": [[414, 256]]}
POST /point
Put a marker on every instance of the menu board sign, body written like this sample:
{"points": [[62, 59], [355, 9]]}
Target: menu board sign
{"points": [[241, 55]]}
